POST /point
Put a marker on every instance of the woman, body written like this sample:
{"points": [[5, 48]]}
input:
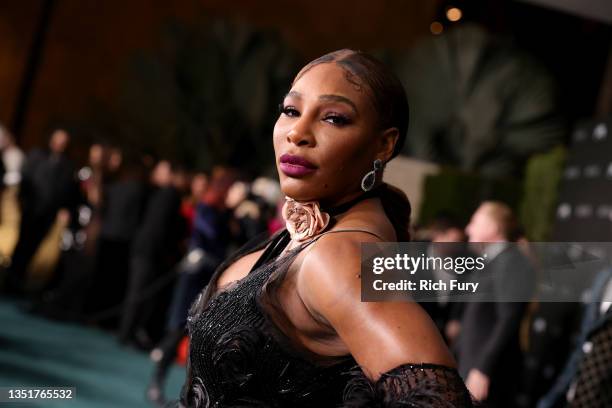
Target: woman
{"points": [[282, 324]]}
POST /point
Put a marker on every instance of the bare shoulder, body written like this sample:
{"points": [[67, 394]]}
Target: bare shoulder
{"points": [[379, 335], [334, 263]]}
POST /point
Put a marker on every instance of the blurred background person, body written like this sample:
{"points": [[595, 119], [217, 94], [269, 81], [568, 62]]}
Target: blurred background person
{"points": [[3, 144], [270, 195], [446, 314], [586, 379], [48, 184], [63, 296], [208, 246], [124, 198], [155, 249], [488, 349], [197, 187], [94, 177], [91, 175], [240, 221], [11, 156], [252, 205]]}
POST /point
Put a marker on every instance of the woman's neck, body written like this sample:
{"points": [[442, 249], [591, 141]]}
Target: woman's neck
{"points": [[342, 204], [338, 201]]}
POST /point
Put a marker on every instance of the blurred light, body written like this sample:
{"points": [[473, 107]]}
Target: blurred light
{"points": [[156, 355], [436, 28], [66, 240], [80, 237], [85, 173], [564, 211], [195, 256], [12, 178], [454, 14], [600, 131], [584, 210], [84, 215]]}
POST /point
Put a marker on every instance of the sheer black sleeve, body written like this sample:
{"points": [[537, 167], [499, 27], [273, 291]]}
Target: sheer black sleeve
{"points": [[409, 385]]}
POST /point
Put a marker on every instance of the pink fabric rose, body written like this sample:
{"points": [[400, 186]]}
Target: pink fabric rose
{"points": [[304, 220]]}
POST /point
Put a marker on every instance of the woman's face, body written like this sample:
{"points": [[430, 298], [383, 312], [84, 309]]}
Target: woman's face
{"points": [[325, 139]]}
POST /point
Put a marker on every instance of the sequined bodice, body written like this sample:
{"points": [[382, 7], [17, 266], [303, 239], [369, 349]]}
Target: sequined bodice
{"points": [[240, 358], [237, 359]]}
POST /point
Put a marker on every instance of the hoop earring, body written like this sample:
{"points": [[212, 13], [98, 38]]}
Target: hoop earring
{"points": [[369, 180]]}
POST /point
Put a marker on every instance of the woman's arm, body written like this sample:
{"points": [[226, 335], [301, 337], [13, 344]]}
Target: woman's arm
{"points": [[379, 335], [397, 346]]}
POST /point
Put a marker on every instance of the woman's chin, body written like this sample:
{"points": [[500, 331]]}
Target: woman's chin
{"points": [[300, 189]]}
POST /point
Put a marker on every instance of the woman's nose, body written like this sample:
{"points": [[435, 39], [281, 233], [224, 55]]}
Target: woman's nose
{"points": [[300, 134]]}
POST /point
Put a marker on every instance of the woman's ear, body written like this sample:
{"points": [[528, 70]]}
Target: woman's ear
{"points": [[387, 143]]}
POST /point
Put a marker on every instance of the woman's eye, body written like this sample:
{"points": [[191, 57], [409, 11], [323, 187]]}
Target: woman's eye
{"points": [[338, 120], [288, 110]]}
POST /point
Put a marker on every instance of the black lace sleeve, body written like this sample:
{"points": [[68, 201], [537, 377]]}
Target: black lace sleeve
{"points": [[409, 385]]}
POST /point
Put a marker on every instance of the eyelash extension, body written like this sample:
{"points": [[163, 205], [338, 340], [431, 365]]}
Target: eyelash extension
{"points": [[286, 109], [342, 120]]}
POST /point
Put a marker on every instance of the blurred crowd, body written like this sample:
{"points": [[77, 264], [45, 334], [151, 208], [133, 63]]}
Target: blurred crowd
{"points": [[141, 236], [522, 354]]}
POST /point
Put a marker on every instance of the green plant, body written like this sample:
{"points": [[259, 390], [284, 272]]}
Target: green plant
{"points": [[543, 174]]}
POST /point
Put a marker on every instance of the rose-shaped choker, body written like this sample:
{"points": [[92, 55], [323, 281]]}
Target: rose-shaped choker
{"points": [[305, 219]]}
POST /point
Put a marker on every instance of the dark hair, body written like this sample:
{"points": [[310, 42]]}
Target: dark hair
{"points": [[386, 90]]}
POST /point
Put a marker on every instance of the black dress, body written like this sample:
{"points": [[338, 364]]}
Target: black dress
{"points": [[240, 358]]}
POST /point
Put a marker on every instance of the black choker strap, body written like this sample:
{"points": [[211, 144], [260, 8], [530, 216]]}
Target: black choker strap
{"points": [[342, 208]]}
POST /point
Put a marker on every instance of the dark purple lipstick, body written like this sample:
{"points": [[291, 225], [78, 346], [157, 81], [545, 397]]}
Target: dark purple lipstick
{"points": [[295, 166]]}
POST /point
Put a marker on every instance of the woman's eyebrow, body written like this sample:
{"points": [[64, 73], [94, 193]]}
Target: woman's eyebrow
{"points": [[294, 94], [327, 98], [339, 98]]}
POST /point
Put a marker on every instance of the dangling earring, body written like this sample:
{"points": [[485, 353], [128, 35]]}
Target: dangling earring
{"points": [[368, 181]]}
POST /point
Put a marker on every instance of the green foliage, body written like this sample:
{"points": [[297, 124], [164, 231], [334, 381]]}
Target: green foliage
{"points": [[540, 192], [535, 198], [478, 103], [206, 95], [459, 193]]}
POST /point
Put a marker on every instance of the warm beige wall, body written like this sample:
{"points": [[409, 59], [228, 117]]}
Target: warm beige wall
{"points": [[409, 176]]}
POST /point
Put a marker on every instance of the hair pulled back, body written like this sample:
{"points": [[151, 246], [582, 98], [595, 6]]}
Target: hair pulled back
{"points": [[389, 100]]}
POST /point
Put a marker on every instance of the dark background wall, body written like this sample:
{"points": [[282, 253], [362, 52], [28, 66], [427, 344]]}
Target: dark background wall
{"points": [[88, 42]]}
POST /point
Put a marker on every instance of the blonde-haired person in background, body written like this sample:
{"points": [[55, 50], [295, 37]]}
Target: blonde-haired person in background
{"points": [[488, 350]]}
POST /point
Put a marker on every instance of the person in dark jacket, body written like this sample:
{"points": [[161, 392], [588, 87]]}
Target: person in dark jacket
{"points": [[48, 184], [154, 250], [488, 349], [124, 198], [446, 314]]}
